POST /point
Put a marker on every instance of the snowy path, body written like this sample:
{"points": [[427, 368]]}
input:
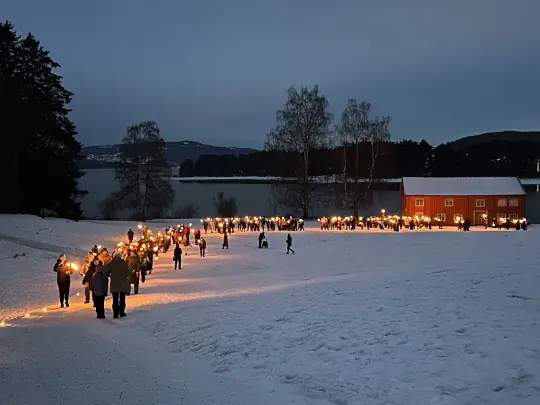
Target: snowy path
{"points": [[72, 358]]}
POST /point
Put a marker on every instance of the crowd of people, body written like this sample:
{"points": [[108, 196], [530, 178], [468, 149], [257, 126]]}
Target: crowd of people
{"points": [[396, 223], [130, 263], [393, 222], [252, 224]]}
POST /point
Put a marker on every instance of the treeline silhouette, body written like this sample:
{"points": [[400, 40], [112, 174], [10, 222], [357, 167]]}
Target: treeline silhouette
{"points": [[397, 159]]}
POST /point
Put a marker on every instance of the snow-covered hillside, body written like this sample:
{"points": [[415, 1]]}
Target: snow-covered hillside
{"points": [[416, 317]]}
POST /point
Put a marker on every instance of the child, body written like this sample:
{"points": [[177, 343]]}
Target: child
{"points": [[99, 285]]}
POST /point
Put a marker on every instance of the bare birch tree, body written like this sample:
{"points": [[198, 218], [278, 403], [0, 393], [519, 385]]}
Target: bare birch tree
{"points": [[301, 127], [359, 132]]}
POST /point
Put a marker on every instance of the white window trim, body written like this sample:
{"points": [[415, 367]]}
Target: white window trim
{"points": [[482, 203], [416, 200], [448, 202], [441, 216], [505, 204], [513, 200], [512, 216]]}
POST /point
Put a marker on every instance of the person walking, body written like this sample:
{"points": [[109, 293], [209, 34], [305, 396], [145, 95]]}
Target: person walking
{"points": [[289, 243], [134, 267], [63, 279], [130, 235], [225, 241], [177, 257], [88, 272], [88, 277], [99, 284], [202, 247], [118, 271]]}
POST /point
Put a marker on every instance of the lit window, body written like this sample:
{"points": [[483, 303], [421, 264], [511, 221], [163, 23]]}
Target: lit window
{"points": [[501, 202], [441, 216], [419, 202], [480, 203], [449, 202], [513, 202], [458, 218]]}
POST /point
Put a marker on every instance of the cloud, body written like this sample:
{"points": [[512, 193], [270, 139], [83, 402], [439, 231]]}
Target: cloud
{"points": [[217, 71]]}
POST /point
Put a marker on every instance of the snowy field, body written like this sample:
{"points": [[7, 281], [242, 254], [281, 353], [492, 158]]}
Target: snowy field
{"points": [[416, 317]]}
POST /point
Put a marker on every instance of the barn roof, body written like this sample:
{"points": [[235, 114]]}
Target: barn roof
{"points": [[455, 186]]}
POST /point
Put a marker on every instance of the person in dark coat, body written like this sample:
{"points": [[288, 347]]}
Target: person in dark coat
{"points": [[134, 266], [225, 241], [118, 271], [63, 279], [177, 257], [202, 247], [88, 277], [87, 266], [130, 235], [261, 238], [289, 243], [99, 284]]}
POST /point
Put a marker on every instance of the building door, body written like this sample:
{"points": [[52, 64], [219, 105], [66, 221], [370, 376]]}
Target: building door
{"points": [[478, 218]]}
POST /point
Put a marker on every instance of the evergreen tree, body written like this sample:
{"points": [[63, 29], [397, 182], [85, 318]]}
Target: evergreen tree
{"points": [[39, 152], [144, 174]]}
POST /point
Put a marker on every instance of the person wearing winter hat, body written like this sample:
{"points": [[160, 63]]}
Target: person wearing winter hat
{"points": [[118, 271]]}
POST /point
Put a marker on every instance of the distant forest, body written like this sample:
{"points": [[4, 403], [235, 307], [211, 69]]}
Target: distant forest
{"points": [[396, 159]]}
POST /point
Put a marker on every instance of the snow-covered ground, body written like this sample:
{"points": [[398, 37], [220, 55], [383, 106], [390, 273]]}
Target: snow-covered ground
{"points": [[421, 317]]}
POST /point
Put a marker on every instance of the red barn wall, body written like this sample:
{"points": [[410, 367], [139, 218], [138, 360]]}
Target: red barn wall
{"points": [[463, 206]]}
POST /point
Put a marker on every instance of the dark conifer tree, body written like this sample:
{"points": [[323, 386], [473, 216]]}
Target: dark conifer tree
{"points": [[39, 152]]}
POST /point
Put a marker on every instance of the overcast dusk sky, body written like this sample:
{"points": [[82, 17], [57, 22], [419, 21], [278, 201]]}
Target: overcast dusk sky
{"points": [[216, 71]]}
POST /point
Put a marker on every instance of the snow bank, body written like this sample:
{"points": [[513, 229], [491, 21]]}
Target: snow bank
{"points": [[60, 233]]}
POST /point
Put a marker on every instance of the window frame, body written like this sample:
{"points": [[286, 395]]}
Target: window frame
{"points": [[482, 200], [416, 200], [513, 200], [458, 215], [441, 216], [500, 203], [448, 202]]}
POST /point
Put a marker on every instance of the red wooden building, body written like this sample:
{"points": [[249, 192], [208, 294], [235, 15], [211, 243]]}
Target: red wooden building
{"points": [[471, 198]]}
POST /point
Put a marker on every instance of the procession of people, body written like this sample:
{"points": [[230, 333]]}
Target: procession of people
{"points": [[132, 261]]}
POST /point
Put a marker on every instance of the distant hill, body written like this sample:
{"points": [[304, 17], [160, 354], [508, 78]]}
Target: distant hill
{"points": [[510, 136], [107, 156]]}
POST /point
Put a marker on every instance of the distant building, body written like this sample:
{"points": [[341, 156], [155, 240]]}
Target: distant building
{"points": [[448, 198]]}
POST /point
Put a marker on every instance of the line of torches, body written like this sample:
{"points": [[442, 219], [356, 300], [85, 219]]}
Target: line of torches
{"points": [[120, 248], [366, 221], [393, 219], [249, 221]]}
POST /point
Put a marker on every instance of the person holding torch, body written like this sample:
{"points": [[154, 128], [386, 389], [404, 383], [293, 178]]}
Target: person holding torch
{"points": [[63, 272]]}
